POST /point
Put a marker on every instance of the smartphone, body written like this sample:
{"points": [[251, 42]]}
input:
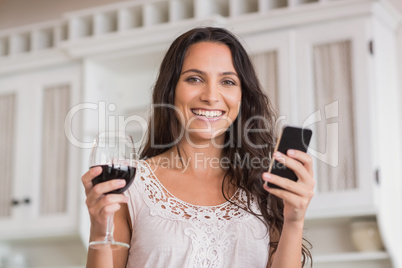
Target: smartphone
{"points": [[290, 138]]}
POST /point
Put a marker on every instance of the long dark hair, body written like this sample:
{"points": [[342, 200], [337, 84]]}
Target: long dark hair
{"points": [[255, 141]]}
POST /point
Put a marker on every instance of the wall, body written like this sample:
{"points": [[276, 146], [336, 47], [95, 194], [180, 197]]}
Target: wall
{"points": [[397, 4], [15, 13]]}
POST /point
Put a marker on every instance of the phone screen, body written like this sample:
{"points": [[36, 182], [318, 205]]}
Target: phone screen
{"points": [[290, 138]]}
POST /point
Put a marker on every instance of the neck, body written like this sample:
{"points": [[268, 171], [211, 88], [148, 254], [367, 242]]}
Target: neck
{"points": [[198, 158]]}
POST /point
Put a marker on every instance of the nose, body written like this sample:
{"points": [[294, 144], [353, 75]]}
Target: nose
{"points": [[210, 94]]}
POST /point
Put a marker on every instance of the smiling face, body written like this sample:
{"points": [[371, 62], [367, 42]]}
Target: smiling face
{"points": [[208, 93]]}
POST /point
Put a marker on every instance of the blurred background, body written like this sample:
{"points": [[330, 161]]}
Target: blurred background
{"points": [[69, 69]]}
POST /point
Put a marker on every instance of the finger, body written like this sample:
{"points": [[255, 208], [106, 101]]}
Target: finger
{"points": [[299, 169], [291, 192], [286, 184], [89, 176], [106, 201], [101, 189], [303, 157]]}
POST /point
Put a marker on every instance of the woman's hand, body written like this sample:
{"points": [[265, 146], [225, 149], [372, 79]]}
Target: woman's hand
{"points": [[100, 206], [296, 195]]}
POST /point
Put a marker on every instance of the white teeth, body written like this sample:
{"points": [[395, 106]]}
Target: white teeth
{"points": [[209, 114]]}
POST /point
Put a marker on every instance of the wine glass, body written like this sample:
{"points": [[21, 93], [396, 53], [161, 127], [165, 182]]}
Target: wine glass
{"points": [[114, 153]]}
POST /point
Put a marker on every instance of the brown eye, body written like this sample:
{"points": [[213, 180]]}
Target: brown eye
{"points": [[193, 80], [228, 82]]}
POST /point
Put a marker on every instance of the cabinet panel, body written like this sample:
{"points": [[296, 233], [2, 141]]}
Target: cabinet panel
{"points": [[54, 150], [271, 54], [333, 87], [333, 90], [266, 66]]}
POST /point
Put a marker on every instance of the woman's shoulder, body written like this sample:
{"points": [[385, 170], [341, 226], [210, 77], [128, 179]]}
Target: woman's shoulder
{"points": [[145, 180], [145, 165]]}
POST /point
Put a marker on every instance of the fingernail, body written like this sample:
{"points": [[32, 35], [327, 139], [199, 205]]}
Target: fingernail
{"points": [[122, 182], [291, 152], [279, 156], [266, 176]]}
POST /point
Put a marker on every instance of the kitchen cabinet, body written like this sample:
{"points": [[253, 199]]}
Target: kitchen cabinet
{"points": [[42, 182]]}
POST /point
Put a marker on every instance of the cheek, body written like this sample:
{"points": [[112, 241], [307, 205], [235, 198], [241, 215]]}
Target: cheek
{"points": [[180, 107], [182, 96], [234, 100], [179, 99]]}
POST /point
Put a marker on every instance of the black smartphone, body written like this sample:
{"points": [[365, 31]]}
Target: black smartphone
{"points": [[290, 138]]}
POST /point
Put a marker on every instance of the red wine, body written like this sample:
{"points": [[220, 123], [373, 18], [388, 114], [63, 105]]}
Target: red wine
{"points": [[113, 172]]}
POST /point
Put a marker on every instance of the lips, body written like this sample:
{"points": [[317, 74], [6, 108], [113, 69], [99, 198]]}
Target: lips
{"points": [[210, 114]]}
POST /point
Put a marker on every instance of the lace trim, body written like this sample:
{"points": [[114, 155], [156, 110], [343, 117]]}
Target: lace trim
{"points": [[163, 203], [210, 231]]}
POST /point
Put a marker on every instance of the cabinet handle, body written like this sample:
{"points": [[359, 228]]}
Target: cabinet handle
{"points": [[16, 202], [377, 176]]}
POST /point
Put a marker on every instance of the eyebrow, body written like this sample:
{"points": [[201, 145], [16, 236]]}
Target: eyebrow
{"points": [[203, 73]]}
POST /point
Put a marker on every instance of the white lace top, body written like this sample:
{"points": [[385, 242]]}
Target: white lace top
{"points": [[168, 232]]}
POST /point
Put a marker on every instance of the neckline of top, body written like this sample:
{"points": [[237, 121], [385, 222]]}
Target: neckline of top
{"points": [[184, 202]]}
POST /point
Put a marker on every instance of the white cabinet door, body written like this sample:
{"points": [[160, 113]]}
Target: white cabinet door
{"points": [[271, 56], [44, 181], [334, 92]]}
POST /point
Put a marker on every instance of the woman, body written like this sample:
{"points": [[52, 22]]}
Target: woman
{"points": [[198, 199]]}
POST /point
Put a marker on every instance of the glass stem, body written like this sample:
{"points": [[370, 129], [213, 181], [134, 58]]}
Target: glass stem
{"points": [[109, 229]]}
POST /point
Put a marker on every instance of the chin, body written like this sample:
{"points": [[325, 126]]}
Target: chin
{"points": [[206, 137]]}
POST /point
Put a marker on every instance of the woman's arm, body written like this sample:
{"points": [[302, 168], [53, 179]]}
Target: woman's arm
{"points": [[100, 206], [296, 197]]}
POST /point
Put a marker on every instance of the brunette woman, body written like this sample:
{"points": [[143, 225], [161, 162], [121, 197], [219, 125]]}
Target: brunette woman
{"points": [[199, 198]]}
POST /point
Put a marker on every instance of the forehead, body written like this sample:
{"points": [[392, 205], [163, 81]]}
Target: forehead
{"points": [[208, 52]]}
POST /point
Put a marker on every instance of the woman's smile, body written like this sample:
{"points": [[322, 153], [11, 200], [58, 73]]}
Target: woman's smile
{"points": [[207, 114]]}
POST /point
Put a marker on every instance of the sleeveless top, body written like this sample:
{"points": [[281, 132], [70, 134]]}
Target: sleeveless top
{"points": [[168, 232]]}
